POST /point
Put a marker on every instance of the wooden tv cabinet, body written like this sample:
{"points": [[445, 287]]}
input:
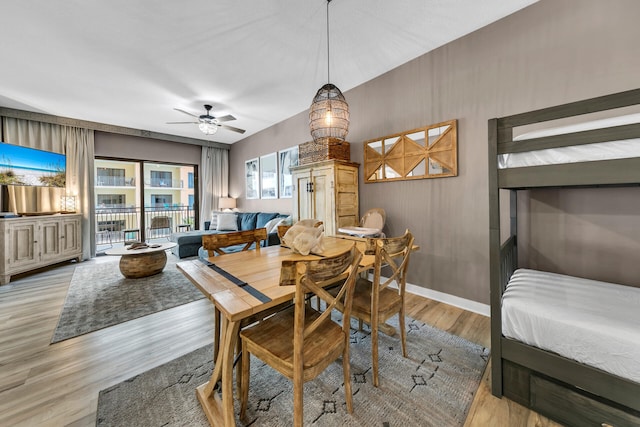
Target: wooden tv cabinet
{"points": [[32, 242]]}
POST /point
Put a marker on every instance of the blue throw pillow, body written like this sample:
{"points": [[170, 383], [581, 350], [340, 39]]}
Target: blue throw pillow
{"points": [[264, 218], [248, 221]]}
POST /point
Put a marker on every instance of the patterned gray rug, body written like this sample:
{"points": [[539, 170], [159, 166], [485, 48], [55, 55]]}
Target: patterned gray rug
{"points": [[433, 387], [99, 296]]}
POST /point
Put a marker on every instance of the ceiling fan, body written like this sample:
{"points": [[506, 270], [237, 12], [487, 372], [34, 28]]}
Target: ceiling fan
{"points": [[207, 123]]}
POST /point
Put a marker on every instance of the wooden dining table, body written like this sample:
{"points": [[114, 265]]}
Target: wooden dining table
{"points": [[242, 285]]}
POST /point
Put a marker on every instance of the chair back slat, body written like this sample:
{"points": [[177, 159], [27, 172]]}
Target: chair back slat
{"points": [[313, 276], [393, 253], [282, 230], [215, 243]]}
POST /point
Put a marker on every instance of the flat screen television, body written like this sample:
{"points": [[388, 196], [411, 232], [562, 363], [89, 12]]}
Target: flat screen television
{"points": [[29, 166]]}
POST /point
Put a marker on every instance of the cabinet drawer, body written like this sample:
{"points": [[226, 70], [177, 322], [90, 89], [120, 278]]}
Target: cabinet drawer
{"points": [[573, 408]]}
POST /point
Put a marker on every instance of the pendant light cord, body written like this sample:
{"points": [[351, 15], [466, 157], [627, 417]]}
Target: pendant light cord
{"points": [[328, 72]]}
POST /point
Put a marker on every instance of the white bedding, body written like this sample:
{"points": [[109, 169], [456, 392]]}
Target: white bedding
{"points": [[579, 153], [576, 153], [595, 323]]}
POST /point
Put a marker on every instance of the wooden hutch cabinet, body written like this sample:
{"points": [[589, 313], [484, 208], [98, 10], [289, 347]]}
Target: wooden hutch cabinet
{"points": [[36, 241], [326, 191]]}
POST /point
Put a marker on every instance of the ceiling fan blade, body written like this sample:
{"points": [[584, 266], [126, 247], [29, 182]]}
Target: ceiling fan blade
{"points": [[226, 118], [231, 128], [181, 123], [185, 112]]}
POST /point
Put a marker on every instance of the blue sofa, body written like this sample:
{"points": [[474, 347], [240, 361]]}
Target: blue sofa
{"points": [[188, 243]]}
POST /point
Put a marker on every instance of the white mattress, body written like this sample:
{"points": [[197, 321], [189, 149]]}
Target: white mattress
{"points": [[595, 323], [579, 153], [627, 119]]}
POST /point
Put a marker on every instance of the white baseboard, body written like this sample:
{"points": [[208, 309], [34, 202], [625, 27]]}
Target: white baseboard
{"points": [[466, 304], [453, 300]]}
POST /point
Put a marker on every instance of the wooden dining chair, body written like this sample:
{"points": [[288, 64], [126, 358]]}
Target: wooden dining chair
{"points": [[216, 243], [301, 342], [375, 301], [282, 230]]}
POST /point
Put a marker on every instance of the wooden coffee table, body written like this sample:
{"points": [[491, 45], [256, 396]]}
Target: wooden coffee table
{"points": [[137, 263]]}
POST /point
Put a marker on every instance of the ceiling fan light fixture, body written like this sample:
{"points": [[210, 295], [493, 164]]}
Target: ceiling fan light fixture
{"points": [[207, 123], [329, 111], [208, 128]]}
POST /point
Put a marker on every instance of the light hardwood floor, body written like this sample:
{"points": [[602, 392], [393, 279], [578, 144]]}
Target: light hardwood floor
{"points": [[57, 385]]}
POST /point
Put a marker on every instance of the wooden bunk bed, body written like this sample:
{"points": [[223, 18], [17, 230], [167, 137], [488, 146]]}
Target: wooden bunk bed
{"points": [[556, 386]]}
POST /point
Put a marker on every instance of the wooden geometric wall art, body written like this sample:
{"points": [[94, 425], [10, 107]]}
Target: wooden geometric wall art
{"points": [[427, 152]]}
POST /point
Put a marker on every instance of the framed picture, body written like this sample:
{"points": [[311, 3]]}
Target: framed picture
{"points": [[252, 176], [269, 176], [287, 159]]}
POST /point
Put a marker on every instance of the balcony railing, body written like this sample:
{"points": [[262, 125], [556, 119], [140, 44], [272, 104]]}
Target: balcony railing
{"points": [[115, 224], [115, 181], [163, 183], [122, 181]]}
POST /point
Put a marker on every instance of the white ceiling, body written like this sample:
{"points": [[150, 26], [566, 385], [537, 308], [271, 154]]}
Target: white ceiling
{"points": [[131, 62]]}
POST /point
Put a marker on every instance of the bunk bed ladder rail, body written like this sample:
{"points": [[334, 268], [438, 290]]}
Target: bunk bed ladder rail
{"points": [[508, 261]]}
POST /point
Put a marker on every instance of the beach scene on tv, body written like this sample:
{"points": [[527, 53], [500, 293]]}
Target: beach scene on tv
{"points": [[28, 166]]}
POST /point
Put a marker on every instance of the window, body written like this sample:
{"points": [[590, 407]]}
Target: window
{"points": [[190, 179], [191, 201], [111, 201], [161, 200], [110, 177], [161, 179]]}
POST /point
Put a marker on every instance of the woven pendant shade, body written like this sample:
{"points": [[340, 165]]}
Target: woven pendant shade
{"points": [[329, 115]]}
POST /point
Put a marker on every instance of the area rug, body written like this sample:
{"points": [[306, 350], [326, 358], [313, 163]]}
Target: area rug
{"points": [[433, 387], [100, 296]]}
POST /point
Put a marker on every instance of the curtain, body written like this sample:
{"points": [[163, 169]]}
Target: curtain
{"points": [[78, 146], [24, 198], [214, 180]]}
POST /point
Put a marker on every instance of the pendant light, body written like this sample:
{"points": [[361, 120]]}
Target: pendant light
{"points": [[329, 111]]}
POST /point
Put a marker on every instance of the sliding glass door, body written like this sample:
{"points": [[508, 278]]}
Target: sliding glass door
{"points": [[116, 202], [142, 201], [168, 199]]}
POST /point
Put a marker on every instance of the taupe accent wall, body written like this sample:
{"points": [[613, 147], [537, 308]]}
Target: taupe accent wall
{"points": [[552, 52], [137, 148], [585, 232]]}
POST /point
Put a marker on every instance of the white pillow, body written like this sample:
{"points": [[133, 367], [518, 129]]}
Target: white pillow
{"points": [[272, 225], [213, 225], [227, 222]]}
